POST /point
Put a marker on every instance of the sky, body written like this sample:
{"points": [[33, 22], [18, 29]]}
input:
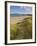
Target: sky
{"points": [[20, 10]]}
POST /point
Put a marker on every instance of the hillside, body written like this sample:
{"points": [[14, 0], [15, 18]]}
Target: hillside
{"points": [[21, 30]]}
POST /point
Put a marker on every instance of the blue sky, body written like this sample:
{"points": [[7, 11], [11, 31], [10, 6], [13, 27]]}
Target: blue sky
{"points": [[20, 10]]}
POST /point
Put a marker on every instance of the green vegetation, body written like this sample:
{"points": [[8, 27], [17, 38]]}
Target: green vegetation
{"points": [[22, 30]]}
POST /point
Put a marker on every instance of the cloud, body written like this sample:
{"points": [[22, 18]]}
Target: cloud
{"points": [[21, 10]]}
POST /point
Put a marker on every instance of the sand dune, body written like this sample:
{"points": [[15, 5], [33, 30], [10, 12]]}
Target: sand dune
{"points": [[16, 19]]}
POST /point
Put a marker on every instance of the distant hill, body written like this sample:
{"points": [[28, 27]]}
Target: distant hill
{"points": [[21, 14]]}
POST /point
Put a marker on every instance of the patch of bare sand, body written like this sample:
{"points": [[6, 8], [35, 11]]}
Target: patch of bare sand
{"points": [[14, 20]]}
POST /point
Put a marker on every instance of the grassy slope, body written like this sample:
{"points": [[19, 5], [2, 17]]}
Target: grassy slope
{"points": [[21, 30]]}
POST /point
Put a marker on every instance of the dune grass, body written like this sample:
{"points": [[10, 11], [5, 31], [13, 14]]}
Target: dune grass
{"points": [[21, 30]]}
